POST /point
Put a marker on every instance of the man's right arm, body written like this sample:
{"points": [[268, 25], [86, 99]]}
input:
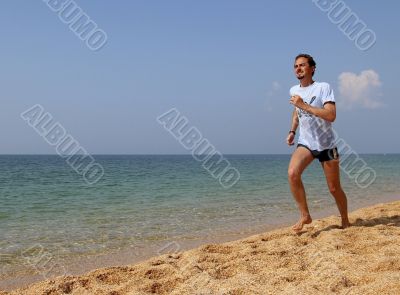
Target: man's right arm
{"points": [[293, 127], [295, 121]]}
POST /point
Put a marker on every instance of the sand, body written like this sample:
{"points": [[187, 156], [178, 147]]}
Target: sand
{"points": [[323, 259]]}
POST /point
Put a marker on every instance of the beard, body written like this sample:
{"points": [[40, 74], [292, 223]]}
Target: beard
{"points": [[300, 76]]}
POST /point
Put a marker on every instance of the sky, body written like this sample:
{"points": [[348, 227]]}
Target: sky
{"points": [[226, 66]]}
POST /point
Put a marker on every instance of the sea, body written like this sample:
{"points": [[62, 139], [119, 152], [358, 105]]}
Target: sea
{"points": [[53, 223]]}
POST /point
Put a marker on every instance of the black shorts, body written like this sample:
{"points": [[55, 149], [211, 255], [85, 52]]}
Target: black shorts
{"points": [[325, 155]]}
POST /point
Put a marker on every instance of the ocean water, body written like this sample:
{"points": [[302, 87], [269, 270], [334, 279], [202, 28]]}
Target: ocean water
{"points": [[143, 200]]}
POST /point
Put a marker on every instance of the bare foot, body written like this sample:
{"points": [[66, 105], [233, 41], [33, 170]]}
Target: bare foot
{"points": [[303, 220], [345, 223]]}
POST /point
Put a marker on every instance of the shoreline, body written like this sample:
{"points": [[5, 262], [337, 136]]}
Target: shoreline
{"points": [[123, 255]]}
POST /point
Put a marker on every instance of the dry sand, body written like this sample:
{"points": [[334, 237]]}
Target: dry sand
{"points": [[323, 259]]}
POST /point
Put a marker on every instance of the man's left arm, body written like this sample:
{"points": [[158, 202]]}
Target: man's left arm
{"points": [[328, 112]]}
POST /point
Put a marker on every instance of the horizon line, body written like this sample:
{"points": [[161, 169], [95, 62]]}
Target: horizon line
{"points": [[175, 154]]}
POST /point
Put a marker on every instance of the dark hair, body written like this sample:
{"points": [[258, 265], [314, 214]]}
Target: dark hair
{"points": [[310, 59]]}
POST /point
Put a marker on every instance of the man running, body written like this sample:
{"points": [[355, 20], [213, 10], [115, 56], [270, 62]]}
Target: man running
{"points": [[315, 110]]}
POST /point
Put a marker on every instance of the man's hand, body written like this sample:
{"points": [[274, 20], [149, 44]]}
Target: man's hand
{"points": [[297, 101], [290, 138]]}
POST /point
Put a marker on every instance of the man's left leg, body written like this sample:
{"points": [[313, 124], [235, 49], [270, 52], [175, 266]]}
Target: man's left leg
{"points": [[331, 170]]}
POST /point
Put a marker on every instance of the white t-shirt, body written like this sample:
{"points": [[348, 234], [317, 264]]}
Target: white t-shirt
{"points": [[315, 133]]}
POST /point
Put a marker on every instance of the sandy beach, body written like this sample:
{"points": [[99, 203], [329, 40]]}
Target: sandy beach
{"points": [[323, 259]]}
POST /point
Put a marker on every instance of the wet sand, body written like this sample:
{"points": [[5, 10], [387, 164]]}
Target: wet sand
{"points": [[323, 259]]}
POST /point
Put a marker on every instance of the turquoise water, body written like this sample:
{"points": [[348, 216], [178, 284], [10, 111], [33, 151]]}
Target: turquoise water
{"points": [[142, 200]]}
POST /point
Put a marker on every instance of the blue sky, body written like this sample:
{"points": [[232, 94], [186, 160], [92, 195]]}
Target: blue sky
{"points": [[225, 65]]}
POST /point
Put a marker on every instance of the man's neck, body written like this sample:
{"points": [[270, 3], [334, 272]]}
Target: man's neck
{"points": [[306, 82]]}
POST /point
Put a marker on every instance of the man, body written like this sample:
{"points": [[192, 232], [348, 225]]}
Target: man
{"points": [[314, 111]]}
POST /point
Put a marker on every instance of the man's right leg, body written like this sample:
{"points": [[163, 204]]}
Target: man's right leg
{"points": [[301, 158]]}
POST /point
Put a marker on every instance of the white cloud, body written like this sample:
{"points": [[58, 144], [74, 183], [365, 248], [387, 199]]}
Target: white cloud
{"points": [[362, 90], [273, 89], [275, 86]]}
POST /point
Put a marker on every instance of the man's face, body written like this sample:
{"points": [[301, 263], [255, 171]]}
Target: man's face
{"points": [[302, 69]]}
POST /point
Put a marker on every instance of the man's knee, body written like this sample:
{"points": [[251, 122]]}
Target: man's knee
{"points": [[293, 174], [333, 188]]}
